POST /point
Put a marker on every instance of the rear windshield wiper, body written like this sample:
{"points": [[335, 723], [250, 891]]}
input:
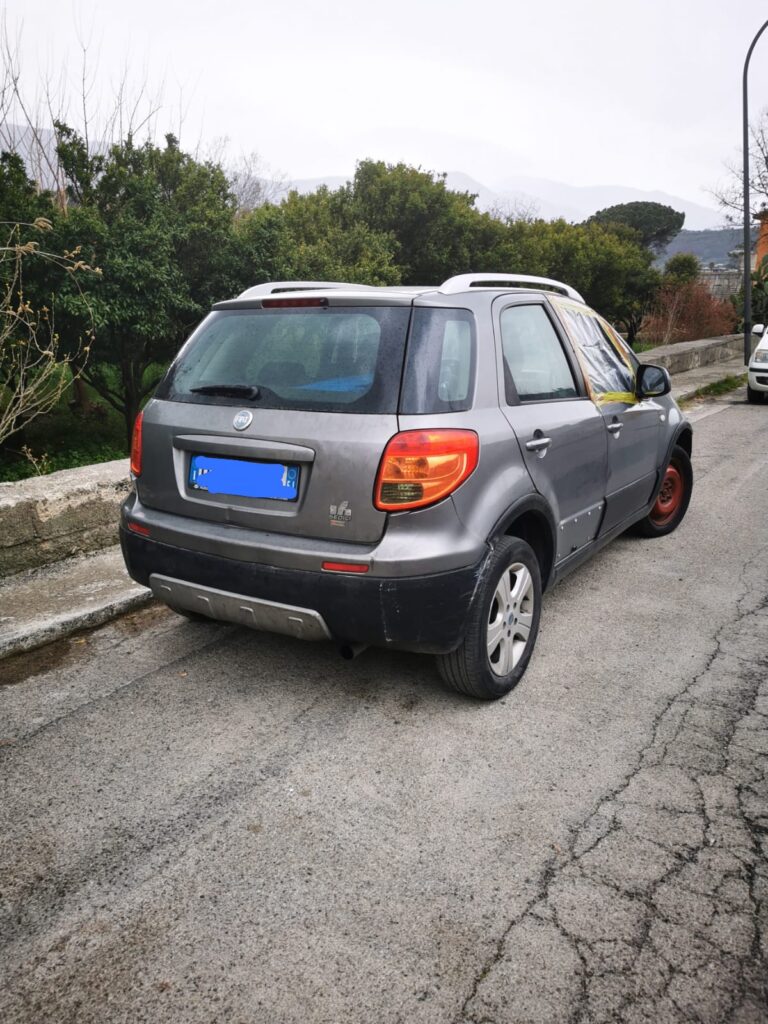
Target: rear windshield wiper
{"points": [[228, 390]]}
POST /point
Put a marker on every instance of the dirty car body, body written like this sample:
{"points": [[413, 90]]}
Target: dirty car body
{"points": [[352, 463]]}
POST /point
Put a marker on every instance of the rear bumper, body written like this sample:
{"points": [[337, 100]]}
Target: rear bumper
{"points": [[422, 613]]}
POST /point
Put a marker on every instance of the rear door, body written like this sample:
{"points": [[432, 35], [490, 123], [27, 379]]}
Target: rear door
{"points": [[632, 427], [275, 419], [560, 431]]}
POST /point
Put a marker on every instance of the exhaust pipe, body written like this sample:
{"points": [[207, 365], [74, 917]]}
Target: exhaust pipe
{"points": [[350, 651]]}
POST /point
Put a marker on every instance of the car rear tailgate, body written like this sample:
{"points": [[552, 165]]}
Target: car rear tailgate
{"points": [[335, 472]]}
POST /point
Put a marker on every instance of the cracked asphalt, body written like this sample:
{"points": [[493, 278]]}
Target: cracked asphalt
{"points": [[202, 824]]}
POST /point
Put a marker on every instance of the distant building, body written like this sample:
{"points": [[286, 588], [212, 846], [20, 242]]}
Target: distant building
{"points": [[726, 281], [722, 282]]}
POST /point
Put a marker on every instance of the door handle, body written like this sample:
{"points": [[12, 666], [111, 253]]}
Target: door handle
{"points": [[538, 444], [615, 428]]}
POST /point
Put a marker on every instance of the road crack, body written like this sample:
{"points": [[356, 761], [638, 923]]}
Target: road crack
{"points": [[658, 908]]}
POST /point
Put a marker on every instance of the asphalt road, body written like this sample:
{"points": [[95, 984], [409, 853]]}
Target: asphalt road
{"points": [[203, 824]]}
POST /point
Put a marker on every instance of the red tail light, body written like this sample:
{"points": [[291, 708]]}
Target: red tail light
{"points": [[420, 467], [136, 446], [291, 303]]}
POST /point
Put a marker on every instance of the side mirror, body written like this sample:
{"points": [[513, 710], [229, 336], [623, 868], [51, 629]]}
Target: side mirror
{"points": [[758, 329], [652, 381]]}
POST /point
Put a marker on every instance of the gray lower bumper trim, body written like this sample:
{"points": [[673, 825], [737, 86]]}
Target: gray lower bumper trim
{"points": [[303, 623]]}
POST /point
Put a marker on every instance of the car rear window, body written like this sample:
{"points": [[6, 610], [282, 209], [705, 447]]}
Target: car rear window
{"points": [[440, 365], [332, 359]]}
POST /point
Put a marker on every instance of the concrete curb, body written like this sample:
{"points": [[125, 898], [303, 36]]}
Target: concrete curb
{"points": [[65, 625], [46, 604]]}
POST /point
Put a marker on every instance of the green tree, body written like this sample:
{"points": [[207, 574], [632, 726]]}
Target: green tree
{"points": [[655, 223], [20, 200], [260, 239], [325, 238], [437, 232], [683, 267], [612, 271], [160, 226]]}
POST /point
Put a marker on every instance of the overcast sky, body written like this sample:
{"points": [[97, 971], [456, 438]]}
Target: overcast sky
{"points": [[589, 92]]}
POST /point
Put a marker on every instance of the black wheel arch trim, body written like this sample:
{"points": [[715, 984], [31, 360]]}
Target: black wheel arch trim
{"points": [[538, 505], [682, 428]]}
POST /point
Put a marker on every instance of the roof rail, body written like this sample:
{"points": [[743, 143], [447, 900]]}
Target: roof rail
{"points": [[271, 287], [463, 282]]}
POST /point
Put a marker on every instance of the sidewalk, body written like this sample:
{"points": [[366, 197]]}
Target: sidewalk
{"points": [[42, 605], [685, 385]]}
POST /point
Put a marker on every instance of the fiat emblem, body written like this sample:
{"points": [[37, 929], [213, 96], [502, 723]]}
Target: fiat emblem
{"points": [[242, 420]]}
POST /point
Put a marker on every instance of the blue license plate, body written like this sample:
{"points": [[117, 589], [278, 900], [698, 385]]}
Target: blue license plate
{"points": [[242, 478]]}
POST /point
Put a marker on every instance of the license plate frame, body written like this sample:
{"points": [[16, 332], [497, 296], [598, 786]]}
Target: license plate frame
{"points": [[223, 476]]}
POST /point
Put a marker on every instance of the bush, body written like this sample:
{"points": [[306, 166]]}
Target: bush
{"points": [[685, 312], [65, 438]]}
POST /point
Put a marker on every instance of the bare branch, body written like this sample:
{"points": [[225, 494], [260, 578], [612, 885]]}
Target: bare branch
{"points": [[34, 370], [515, 210], [730, 195], [252, 182], [27, 124]]}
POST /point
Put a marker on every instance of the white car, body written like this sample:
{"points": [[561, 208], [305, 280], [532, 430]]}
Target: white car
{"points": [[757, 378]]}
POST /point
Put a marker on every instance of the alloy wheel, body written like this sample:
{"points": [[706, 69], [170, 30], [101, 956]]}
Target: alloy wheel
{"points": [[510, 619]]}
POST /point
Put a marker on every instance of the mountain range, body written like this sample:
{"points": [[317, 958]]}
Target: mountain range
{"points": [[548, 199]]}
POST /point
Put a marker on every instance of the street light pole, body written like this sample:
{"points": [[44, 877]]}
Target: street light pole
{"points": [[747, 230]]}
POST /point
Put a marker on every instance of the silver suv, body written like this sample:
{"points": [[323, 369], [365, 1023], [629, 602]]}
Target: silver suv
{"points": [[400, 467]]}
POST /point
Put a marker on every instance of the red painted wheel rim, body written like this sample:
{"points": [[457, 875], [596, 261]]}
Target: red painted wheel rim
{"points": [[670, 497]]}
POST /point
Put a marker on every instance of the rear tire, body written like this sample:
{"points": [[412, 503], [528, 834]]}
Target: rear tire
{"points": [[502, 625], [674, 497], [755, 397]]}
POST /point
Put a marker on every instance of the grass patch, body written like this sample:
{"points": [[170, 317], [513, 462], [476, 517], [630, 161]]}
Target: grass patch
{"points": [[719, 387], [644, 346]]}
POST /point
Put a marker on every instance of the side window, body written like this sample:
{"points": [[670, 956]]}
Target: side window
{"points": [[620, 345], [440, 364], [608, 369], [455, 362], [534, 361]]}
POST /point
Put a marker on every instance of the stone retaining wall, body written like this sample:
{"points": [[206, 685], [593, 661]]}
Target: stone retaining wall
{"points": [[687, 355], [50, 517]]}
